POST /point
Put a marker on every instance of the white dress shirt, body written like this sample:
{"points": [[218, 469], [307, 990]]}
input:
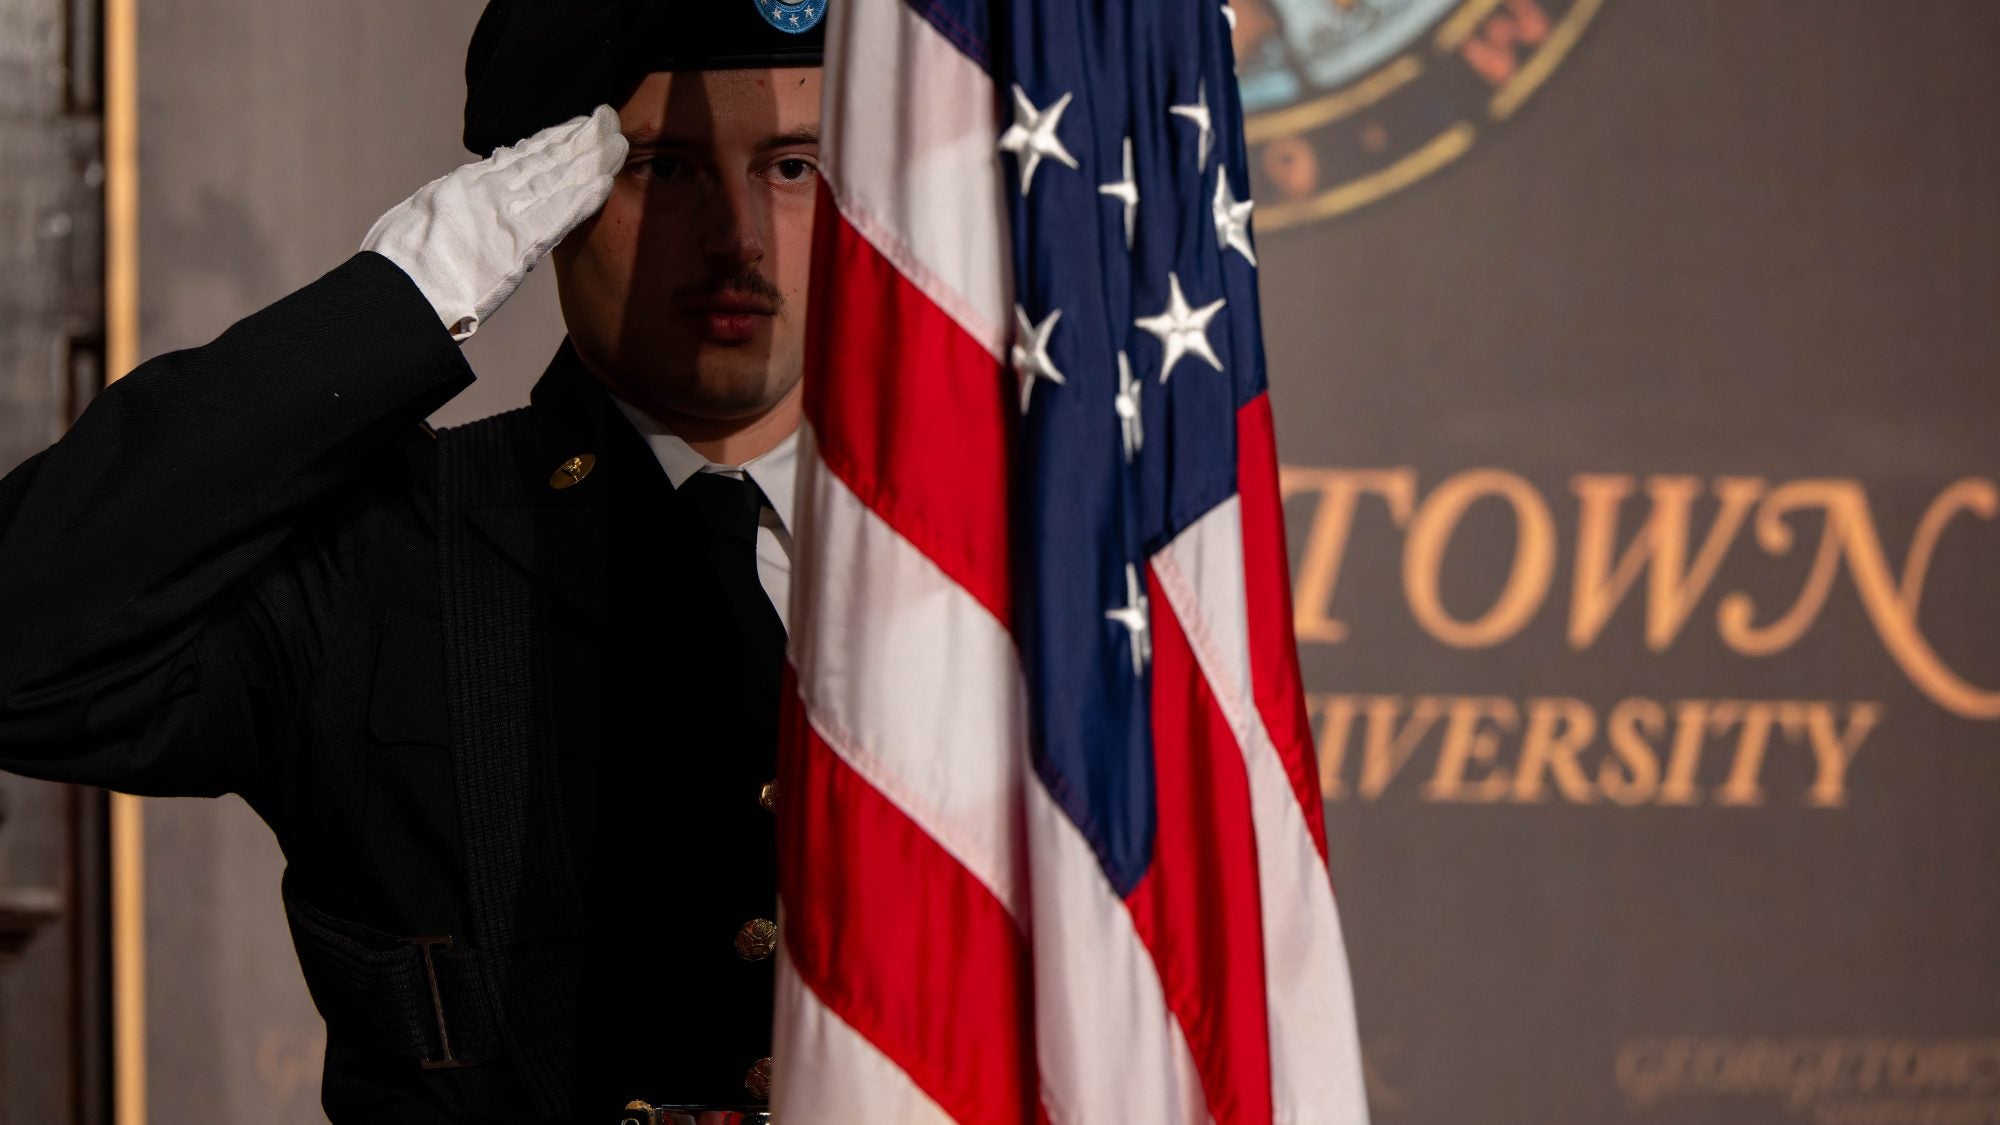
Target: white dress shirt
{"points": [[771, 471]]}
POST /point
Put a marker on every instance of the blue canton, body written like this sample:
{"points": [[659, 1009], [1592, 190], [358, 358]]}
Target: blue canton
{"points": [[1136, 340]]}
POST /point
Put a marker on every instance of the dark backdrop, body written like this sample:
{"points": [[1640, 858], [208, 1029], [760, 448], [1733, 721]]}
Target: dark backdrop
{"points": [[1607, 846]]}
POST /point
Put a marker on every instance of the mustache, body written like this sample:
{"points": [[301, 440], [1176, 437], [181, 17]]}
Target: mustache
{"points": [[746, 282]]}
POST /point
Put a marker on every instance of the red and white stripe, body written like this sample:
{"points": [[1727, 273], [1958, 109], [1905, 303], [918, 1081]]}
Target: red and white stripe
{"points": [[952, 950]]}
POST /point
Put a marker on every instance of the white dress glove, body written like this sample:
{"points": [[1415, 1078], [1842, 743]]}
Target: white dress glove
{"points": [[468, 238]]}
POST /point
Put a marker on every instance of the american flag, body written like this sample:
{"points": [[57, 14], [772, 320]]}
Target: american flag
{"points": [[1052, 845]]}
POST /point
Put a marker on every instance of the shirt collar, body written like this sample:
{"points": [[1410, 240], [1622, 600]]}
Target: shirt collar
{"points": [[772, 471]]}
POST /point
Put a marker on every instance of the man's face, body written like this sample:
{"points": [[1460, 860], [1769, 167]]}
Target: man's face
{"points": [[688, 290]]}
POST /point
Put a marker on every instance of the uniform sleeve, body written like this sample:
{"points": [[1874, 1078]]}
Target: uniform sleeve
{"points": [[162, 568]]}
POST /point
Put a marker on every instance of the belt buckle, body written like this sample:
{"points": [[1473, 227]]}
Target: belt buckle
{"points": [[424, 946]]}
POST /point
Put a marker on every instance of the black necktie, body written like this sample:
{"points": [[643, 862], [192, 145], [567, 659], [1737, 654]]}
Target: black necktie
{"points": [[729, 504], [730, 507]]}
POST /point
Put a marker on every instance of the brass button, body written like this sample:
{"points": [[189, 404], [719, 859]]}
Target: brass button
{"points": [[757, 939], [768, 796], [572, 471], [757, 1079]]}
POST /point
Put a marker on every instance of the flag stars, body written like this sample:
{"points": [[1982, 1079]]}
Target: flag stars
{"points": [[1032, 136], [1131, 429], [1232, 219], [1197, 113], [1125, 191], [1031, 352], [1133, 615], [1181, 328]]}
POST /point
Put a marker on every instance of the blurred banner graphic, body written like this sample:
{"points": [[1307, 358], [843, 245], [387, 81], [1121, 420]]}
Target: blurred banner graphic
{"points": [[1641, 441]]}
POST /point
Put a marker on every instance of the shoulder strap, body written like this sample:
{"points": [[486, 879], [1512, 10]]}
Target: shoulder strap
{"points": [[498, 674]]}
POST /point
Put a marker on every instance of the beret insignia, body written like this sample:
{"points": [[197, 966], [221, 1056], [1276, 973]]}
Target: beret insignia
{"points": [[794, 16]]}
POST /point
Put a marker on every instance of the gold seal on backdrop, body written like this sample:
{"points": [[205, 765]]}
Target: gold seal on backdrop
{"points": [[1347, 101]]}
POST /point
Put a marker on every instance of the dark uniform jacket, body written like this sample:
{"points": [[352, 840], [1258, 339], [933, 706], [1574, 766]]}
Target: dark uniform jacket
{"points": [[227, 577]]}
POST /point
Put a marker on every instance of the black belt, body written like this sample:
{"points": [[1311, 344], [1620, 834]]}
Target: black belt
{"points": [[642, 1113], [418, 998]]}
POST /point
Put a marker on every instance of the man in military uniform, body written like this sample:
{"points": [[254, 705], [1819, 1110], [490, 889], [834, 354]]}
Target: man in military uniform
{"points": [[506, 694]]}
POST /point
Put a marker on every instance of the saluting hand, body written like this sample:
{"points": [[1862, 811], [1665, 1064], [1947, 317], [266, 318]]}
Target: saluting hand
{"points": [[469, 237]]}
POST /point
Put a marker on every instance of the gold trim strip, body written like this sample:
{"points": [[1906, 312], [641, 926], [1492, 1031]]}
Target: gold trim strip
{"points": [[1460, 25], [1531, 76], [1334, 106], [1435, 153], [121, 187], [128, 960], [121, 354]]}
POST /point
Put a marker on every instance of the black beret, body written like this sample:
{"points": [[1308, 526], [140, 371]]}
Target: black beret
{"points": [[535, 63]]}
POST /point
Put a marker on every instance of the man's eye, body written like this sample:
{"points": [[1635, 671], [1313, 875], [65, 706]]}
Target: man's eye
{"points": [[661, 167], [794, 171]]}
